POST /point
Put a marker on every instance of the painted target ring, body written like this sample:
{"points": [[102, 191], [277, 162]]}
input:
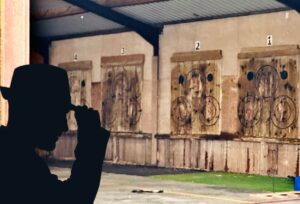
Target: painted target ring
{"points": [[249, 111], [210, 111], [266, 81], [133, 113], [120, 83], [283, 112], [181, 111], [108, 111]]}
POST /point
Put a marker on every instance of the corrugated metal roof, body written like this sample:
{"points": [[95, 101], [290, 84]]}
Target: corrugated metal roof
{"points": [[164, 12], [75, 24], [185, 10], [39, 5]]}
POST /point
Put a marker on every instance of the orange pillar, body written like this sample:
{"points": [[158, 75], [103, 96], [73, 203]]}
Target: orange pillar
{"points": [[14, 42]]}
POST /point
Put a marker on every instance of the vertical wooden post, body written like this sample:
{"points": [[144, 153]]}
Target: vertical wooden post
{"points": [[154, 110], [298, 96]]}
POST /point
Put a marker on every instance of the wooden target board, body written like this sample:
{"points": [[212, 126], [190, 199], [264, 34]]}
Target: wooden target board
{"points": [[80, 79], [121, 92], [195, 93], [268, 90]]}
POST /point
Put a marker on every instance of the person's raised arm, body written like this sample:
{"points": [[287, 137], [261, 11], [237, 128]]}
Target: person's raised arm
{"points": [[85, 177]]}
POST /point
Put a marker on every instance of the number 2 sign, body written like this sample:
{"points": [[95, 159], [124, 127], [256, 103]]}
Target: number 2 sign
{"points": [[197, 45]]}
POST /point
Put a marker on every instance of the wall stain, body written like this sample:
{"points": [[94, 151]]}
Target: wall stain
{"points": [[206, 160], [248, 162]]}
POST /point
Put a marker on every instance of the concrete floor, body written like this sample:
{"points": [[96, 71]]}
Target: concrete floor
{"points": [[116, 188]]}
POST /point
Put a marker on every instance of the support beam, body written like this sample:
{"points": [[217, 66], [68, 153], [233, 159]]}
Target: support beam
{"points": [[56, 12], [294, 4], [67, 9], [147, 31], [117, 3]]}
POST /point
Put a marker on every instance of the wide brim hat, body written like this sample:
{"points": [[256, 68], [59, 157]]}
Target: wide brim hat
{"points": [[38, 83], [5, 92]]}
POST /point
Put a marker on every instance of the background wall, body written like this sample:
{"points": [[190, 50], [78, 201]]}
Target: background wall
{"points": [[93, 48], [230, 35]]}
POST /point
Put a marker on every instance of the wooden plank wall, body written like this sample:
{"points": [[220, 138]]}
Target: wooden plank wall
{"points": [[122, 148], [65, 147], [253, 157], [129, 149], [264, 158]]}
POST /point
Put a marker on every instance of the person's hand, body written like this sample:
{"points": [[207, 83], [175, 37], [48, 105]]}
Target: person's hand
{"points": [[87, 118], [91, 137]]}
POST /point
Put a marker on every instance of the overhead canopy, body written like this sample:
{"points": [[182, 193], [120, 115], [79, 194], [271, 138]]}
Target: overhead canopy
{"points": [[64, 19]]}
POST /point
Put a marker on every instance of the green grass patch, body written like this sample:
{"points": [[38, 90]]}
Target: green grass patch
{"points": [[234, 180]]}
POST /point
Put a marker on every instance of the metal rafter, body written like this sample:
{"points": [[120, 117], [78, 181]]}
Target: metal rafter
{"points": [[56, 12], [294, 4], [147, 31], [117, 3]]}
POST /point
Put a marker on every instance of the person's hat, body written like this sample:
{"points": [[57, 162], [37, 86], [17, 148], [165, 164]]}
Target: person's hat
{"points": [[38, 82]]}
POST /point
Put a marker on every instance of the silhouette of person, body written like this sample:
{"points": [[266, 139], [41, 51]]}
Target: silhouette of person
{"points": [[39, 100]]}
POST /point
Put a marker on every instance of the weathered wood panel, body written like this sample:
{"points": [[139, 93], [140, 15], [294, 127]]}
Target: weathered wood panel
{"points": [[268, 91], [160, 154], [251, 157], [187, 154], [109, 150], [78, 65], [271, 51], [129, 148], [80, 81], [197, 56], [195, 94], [123, 60], [121, 92], [96, 96], [194, 154], [65, 147], [229, 102]]}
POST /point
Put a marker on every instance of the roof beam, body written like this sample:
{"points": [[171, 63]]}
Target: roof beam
{"points": [[294, 4], [117, 3], [87, 34], [147, 31], [56, 12], [67, 10]]}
